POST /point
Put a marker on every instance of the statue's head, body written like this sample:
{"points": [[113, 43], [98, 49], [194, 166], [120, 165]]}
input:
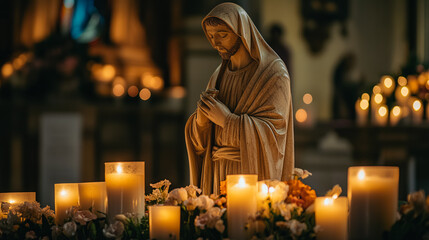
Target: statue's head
{"points": [[222, 37]]}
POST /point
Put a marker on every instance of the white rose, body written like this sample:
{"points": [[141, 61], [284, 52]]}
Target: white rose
{"points": [[30, 235], [192, 191], [280, 192], [296, 227], [191, 203], [219, 226], [178, 194], [69, 229], [114, 230], [205, 202], [82, 217]]}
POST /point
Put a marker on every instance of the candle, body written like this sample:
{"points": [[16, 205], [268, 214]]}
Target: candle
{"points": [[401, 94], [66, 196], [92, 195], [17, 197], [361, 108], [125, 188], [417, 111], [164, 222], [331, 216], [395, 115], [241, 202], [387, 85], [373, 200], [381, 116]]}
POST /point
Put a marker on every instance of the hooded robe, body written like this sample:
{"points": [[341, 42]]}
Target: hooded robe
{"points": [[258, 137]]}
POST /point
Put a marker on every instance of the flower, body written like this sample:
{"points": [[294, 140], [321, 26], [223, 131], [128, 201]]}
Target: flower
{"points": [[300, 194], [56, 231], [114, 230], [5, 206], [417, 201], [280, 192], [210, 219], [69, 229], [177, 196], [334, 192], [82, 217], [204, 202], [30, 235], [191, 203], [299, 173], [296, 227], [192, 191], [220, 227], [164, 183]]}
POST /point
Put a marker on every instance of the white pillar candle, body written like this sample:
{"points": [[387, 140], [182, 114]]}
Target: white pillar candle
{"points": [[373, 198], [164, 222], [17, 197], [332, 217], [66, 196], [92, 195], [125, 188], [395, 115], [241, 203], [361, 108]]}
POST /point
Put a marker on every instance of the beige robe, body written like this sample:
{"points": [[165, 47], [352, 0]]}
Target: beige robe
{"points": [[258, 136]]}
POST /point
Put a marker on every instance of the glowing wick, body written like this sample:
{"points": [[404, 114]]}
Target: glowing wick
{"points": [[241, 182], [63, 193], [264, 189], [119, 169], [328, 201], [361, 175]]}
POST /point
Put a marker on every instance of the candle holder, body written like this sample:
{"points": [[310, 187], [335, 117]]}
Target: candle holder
{"points": [[66, 196], [164, 222], [332, 217], [92, 195], [241, 202], [373, 200], [125, 187], [17, 197]]}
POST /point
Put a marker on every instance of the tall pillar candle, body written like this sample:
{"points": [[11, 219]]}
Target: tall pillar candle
{"points": [[164, 222], [17, 197], [241, 203], [66, 196], [125, 188], [373, 198], [332, 217], [92, 195]]}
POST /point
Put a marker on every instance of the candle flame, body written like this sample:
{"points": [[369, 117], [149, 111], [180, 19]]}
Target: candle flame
{"points": [[376, 89], [396, 111], [417, 105], [378, 98], [264, 189], [12, 201], [328, 201], [388, 82], [241, 182], [365, 96], [404, 91], [63, 193], [361, 174], [119, 169], [335, 196], [364, 104], [402, 81], [271, 189], [382, 111]]}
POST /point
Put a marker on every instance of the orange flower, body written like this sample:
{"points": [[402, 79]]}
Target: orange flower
{"points": [[300, 194], [223, 187]]}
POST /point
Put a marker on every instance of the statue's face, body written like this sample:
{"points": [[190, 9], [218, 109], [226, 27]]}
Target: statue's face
{"points": [[224, 40]]}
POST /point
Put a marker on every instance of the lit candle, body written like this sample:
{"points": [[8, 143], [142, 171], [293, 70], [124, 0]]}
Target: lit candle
{"points": [[417, 111], [395, 115], [381, 114], [17, 197], [66, 196], [92, 195], [125, 188], [361, 108], [241, 203], [387, 85], [373, 198], [164, 222], [332, 217], [401, 94]]}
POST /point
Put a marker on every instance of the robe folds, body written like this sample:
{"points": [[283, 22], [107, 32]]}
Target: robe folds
{"points": [[258, 136]]}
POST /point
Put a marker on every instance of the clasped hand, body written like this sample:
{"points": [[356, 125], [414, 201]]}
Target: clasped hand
{"points": [[212, 109]]}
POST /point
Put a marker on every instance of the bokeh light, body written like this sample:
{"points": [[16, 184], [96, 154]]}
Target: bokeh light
{"points": [[7, 70], [133, 91], [365, 96], [404, 91], [402, 81], [378, 98], [177, 92], [144, 94], [364, 104], [396, 111], [376, 89], [307, 98], [118, 90], [417, 105], [301, 115], [382, 111]]}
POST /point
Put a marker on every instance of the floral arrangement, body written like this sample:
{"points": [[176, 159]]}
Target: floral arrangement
{"points": [[413, 222]]}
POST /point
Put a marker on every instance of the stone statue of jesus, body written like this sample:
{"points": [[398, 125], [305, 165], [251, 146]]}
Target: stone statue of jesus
{"points": [[243, 123]]}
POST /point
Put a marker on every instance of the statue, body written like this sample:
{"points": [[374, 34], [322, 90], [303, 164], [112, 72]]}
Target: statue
{"points": [[243, 123]]}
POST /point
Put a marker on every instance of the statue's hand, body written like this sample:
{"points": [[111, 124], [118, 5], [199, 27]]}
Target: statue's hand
{"points": [[201, 118], [214, 109]]}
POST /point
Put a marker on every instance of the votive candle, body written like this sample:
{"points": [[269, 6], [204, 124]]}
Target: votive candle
{"points": [[373, 198], [66, 196], [241, 203], [17, 197], [164, 222], [125, 188], [332, 217], [92, 195]]}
